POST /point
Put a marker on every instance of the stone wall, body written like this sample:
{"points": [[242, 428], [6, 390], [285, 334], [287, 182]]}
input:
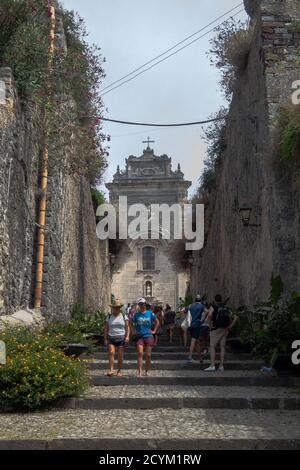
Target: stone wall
{"points": [[19, 152], [76, 266], [238, 261]]}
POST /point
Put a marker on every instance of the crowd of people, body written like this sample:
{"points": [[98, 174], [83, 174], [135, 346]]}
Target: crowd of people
{"points": [[206, 325]]}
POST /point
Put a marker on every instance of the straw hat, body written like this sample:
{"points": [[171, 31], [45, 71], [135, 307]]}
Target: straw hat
{"points": [[116, 303]]}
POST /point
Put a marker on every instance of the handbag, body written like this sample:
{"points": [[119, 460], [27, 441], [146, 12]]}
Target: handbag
{"points": [[186, 324]]}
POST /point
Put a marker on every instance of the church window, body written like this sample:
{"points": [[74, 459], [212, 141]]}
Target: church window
{"points": [[148, 258], [148, 289]]}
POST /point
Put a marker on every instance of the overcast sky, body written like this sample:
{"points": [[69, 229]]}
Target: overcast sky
{"points": [[181, 89]]}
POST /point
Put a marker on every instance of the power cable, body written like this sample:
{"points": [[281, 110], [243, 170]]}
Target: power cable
{"points": [[168, 56], [168, 50], [129, 123]]}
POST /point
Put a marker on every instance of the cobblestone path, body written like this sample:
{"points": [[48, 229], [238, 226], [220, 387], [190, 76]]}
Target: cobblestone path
{"points": [[178, 407]]}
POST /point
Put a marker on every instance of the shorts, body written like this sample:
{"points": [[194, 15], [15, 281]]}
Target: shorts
{"points": [[148, 341], [168, 326], [195, 331], [116, 342], [218, 336], [204, 330]]}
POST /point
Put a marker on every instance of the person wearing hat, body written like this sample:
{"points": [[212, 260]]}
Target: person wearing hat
{"points": [[145, 325], [116, 336]]}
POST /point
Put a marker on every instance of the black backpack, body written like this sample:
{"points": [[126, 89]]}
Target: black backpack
{"points": [[222, 317]]}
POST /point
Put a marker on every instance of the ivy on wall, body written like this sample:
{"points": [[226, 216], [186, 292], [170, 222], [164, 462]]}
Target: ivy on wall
{"points": [[289, 133]]}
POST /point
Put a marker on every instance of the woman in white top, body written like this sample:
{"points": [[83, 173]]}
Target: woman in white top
{"points": [[116, 336]]}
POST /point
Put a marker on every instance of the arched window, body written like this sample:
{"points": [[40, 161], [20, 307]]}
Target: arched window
{"points": [[148, 289], [148, 258]]}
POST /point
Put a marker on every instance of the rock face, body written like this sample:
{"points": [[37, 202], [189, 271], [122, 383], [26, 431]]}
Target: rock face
{"points": [[238, 261], [76, 263], [76, 268], [30, 318]]}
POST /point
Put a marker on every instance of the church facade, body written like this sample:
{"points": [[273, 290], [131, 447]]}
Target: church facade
{"points": [[148, 267]]}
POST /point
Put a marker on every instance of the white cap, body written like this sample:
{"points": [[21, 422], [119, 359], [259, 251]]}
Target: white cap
{"points": [[141, 301]]}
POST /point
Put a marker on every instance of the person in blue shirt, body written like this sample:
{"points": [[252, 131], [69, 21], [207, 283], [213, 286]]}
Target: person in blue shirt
{"points": [[145, 325], [196, 311]]}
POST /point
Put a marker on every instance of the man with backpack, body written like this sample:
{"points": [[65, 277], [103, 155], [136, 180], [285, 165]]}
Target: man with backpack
{"points": [[220, 322], [195, 314]]}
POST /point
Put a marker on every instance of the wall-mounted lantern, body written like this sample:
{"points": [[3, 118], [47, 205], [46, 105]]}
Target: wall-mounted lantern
{"points": [[246, 212], [112, 259], [191, 259]]}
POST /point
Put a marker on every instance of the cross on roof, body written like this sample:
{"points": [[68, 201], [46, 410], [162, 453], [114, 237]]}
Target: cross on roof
{"points": [[148, 142]]}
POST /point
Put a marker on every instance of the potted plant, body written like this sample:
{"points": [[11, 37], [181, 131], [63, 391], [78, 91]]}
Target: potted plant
{"points": [[238, 341], [94, 327], [68, 337], [90, 324], [279, 328]]}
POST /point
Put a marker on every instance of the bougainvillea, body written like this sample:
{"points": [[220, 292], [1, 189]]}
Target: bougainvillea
{"points": [[69, 91]]}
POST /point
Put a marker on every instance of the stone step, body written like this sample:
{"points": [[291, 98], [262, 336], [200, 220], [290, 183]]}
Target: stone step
{"points": [[178, 403], [177, 397], [200, 372], [182, 391], [158, 349], [193, 378], [165, 429], [162, 349], [168, 356], [102, 364]]}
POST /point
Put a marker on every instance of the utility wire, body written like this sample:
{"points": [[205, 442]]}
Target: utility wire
{"points": [[163, 125], [170, 49], [168, 56]]}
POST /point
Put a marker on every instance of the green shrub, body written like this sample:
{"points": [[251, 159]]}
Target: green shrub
{"points": [[32, 379], [280, 330], [290, 142], [98, 199], [65, 332], [272, 327], [88, 322], [18, 339], [36, 374], [288, 130], [12, 15], [230, 50], [27, 56], [95, 322]]}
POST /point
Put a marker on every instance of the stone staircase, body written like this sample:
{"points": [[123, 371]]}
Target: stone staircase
{"points": [[178, 407]]}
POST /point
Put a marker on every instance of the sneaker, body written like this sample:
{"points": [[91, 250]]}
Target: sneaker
{"points": [[210, 369], [190, 361], [221, 369]]}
